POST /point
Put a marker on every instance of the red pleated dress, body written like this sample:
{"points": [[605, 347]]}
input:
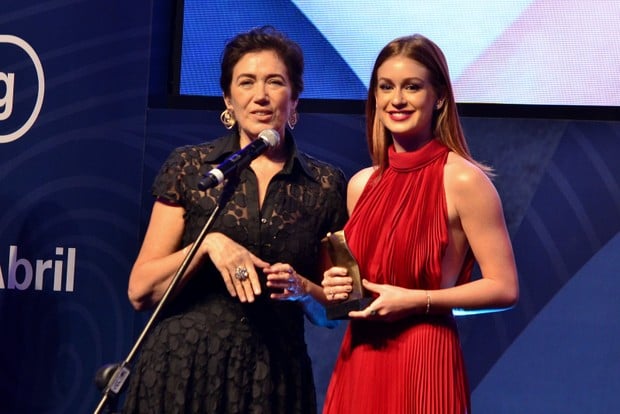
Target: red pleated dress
{"points": [[398, 233]]}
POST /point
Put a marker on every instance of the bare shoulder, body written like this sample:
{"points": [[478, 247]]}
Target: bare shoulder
{"points": [[356, 186], [468, 188], [463, 175], [361, 177]]}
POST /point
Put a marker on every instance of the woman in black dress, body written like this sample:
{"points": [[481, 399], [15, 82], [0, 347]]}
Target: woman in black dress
{"points": [[232, 338]]}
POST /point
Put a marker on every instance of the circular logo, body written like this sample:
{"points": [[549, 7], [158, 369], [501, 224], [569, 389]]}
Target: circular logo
{"points": [[8, 80]]}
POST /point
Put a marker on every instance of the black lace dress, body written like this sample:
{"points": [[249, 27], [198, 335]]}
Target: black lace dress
{"points": [[209, 353]]}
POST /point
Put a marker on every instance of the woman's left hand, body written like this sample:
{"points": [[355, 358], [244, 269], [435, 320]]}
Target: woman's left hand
{"points": [[391, 303], [283, 276]]}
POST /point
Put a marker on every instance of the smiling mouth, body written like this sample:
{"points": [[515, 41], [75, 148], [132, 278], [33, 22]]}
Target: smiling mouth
{"points": [[397, 116]]}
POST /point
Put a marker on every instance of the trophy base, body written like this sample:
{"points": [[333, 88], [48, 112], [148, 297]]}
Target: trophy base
{"points": [[341, 310]]}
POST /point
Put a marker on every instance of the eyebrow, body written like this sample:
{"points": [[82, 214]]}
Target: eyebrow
{"points": [[253, 76], [414, 78]]}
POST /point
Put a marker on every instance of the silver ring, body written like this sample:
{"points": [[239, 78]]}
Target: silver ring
{"points": [[373, 312], [241, 273]]}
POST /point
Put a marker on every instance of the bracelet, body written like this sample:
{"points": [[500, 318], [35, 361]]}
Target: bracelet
{"points": [[428, 302]]}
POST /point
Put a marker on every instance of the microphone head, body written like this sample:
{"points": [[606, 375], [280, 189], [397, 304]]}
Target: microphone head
{"points": [[270, 136]]}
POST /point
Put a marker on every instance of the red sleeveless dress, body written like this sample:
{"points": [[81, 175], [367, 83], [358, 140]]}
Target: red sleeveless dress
{"points": [[398, 233]]}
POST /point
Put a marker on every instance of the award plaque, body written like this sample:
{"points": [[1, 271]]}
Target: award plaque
{"points": [[336, 246]]}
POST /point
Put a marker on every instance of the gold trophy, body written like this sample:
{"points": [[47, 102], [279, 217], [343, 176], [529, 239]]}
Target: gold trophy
{"points": [[336, 247]]}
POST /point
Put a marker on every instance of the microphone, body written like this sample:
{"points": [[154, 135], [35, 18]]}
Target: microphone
{"points": [[268, 138]]}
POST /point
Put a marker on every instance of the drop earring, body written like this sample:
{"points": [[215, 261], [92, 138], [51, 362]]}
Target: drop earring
{"points": [[292, 120], [228, 119]]}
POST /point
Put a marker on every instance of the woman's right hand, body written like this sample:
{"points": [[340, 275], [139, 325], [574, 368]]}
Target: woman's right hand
{"points": [[236, 264], [336, 283]]}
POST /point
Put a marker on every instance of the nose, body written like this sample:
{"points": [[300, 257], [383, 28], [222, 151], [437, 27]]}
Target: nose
{"points": [[261, 93], [398, 98]]}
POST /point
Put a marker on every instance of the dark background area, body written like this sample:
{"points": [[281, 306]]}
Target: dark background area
{"points": [[80, 178]]}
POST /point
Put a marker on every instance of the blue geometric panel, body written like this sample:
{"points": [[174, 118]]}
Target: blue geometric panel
{"points": [[568, 358]]}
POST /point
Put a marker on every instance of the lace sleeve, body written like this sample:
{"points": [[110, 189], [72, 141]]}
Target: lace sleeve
{"points": [[336, 200], [168, 185]]}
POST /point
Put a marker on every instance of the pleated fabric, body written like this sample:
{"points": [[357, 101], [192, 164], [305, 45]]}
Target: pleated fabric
{"points": [[398, 233]]}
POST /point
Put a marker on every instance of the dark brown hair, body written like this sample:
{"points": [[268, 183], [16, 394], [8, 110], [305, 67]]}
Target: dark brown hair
{"points": [[260, 39]]}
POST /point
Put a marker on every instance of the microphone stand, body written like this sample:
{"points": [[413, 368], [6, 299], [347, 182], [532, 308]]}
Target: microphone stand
{"points": [[121, 373]]}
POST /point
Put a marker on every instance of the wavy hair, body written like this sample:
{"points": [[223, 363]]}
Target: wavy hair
{"points": [[257, 40]]}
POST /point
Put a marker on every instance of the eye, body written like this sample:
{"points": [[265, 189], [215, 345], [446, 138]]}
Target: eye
{"points": [[245, 83], [276, 81], [385, 86], [413, 87]]}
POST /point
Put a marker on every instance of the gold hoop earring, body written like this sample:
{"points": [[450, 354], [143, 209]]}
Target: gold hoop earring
{"points": [[292, 120], [228, 119]]}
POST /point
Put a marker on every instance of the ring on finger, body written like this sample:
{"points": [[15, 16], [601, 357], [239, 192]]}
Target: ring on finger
{"points": [[241, 273], [373, 312]]}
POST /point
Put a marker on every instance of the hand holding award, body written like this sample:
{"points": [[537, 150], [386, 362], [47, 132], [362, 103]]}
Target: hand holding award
{"points": [[341, 256]]}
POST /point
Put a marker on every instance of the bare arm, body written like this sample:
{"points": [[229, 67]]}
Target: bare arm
{"points": [[356, 186], [161, 255], [476, 219], [474, 201]]}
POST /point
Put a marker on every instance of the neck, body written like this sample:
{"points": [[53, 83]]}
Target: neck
{"points": [[407, 145]]}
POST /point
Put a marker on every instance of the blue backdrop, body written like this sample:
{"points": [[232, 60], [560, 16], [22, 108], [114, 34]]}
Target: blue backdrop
{"points": [[74, 200]]}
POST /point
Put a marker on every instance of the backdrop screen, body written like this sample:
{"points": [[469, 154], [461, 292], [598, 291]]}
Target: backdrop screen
{"points": [[519, 52]]}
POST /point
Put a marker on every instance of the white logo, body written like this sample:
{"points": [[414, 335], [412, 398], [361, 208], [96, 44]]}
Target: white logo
{"points": [[38, 274], [7, 82]]}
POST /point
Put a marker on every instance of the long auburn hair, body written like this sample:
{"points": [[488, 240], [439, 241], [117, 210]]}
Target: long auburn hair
{"points": [[446, 126]]}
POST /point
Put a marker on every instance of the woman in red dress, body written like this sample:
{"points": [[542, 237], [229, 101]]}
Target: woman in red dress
{"points": [[420, 217]]}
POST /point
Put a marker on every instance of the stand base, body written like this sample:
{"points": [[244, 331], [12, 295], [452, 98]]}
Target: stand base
{"points": [[341, 310]]}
